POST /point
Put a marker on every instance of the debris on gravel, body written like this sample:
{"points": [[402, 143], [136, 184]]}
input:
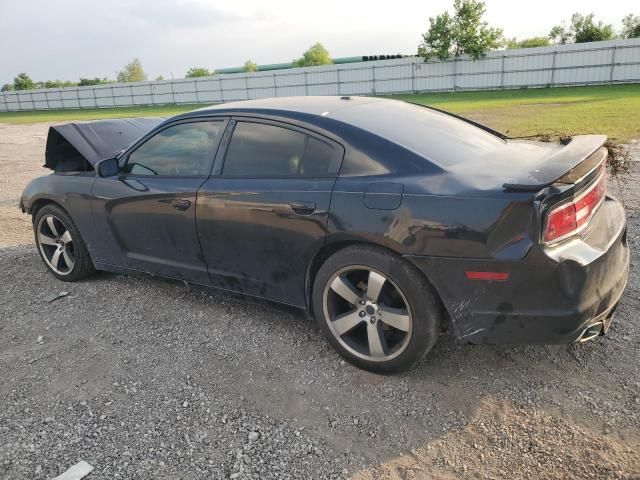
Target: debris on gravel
{"points": [[77, 472], [55, 296]]}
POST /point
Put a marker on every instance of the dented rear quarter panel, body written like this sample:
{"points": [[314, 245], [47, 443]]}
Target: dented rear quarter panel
{"points": [[436, 232]]}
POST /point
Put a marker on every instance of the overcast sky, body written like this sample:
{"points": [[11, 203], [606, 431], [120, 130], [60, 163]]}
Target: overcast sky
{"points": [[67, 39]]}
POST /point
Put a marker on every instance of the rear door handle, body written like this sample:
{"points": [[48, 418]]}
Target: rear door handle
{"points": [[180, 204], [303, 208]]}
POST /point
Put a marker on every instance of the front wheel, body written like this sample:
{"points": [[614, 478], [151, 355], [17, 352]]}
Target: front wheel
{"points": [[376, 309], [60, 245]]}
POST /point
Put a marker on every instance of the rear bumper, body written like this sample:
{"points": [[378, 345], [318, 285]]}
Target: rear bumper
{"points": [[554, 295]]}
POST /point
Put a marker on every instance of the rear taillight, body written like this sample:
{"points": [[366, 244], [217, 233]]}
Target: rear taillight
{"points": [[570, 217]]}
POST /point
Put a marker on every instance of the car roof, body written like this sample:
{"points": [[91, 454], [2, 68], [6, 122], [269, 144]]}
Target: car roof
{"points": [[440, 137], [311, 105]]}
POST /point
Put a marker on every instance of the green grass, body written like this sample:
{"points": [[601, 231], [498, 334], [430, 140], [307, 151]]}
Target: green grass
{"points": [[93, 114], [612, 110]]}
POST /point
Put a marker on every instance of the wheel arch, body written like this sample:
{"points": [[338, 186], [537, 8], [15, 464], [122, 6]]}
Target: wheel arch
{"points": [[42, 202], [331, 248]]}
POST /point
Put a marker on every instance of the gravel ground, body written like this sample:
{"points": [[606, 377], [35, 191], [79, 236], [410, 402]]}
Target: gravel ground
{"points": [[149, 379]]}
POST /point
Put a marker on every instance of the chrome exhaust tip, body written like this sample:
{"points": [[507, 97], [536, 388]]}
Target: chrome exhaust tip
{"points": [[590, 332]]}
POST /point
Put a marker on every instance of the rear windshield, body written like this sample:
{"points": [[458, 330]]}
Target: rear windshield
{"points": [[439, 137]]}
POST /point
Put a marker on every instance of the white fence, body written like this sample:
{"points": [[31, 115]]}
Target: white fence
{"points": [[609, 62]]}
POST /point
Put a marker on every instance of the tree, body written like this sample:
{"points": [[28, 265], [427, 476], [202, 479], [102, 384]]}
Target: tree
{"points": [[587, 31], [315, 55], [85, 82], [159, 78], [249, 66], [582, 30], [462, 33], [199, 72], [56, 84], [560, 34], [631, 26], [527, 42], [23, 82], [132, 72], [7, 87]]}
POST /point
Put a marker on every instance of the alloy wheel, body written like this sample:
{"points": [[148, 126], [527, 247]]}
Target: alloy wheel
{"points": [[367, 313], [55, 244]]}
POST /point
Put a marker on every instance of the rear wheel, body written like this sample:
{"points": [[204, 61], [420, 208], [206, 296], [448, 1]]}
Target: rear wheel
{"points": [[60, 245], [376, 309]]}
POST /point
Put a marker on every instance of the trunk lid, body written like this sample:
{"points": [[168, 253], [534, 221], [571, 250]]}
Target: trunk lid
{"points": [[568, 164], [530, 166]]}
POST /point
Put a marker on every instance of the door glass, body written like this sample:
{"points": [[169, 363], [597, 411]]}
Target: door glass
{"points": [[181, 150], [257, 149], [319, 158]]}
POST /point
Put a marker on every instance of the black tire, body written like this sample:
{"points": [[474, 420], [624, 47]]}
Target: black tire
{"points": [[82, 263], [424, 309]]}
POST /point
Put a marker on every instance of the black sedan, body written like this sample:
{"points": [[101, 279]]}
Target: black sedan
{"points": [[385, 220]]}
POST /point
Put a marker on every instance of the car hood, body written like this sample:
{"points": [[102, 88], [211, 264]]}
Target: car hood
{"points": [[71, 146]]}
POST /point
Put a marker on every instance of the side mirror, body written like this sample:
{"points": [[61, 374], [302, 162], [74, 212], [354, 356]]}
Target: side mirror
{"points": [[108, 167]]}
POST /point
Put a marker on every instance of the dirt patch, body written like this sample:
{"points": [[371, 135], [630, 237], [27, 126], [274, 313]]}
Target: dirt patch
{"points": [[501, 432], [21, 160], [15, 227]]}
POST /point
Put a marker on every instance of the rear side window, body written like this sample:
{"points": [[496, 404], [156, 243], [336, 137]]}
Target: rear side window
{"points": [[319, 157], [181, 150], [261, 150], [264, 150]]}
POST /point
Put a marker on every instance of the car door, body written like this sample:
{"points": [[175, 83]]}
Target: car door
{"points": [[146, 214], [263, 213]]}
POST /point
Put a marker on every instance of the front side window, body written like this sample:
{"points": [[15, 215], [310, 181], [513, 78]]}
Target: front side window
{"points": [[181, 150]]}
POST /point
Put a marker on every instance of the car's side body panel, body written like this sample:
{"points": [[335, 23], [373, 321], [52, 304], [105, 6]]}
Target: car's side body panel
{"points": [[148, 222], [253, 239], [258, 235], [434, 225], [140, 228]]}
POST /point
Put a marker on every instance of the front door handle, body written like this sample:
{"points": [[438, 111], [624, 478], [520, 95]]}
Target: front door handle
{"points": [[180, 204], [303, 208]]}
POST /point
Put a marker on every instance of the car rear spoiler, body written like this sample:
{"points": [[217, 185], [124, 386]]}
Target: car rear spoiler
{"points": [[80, 145], [561, 164]]}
